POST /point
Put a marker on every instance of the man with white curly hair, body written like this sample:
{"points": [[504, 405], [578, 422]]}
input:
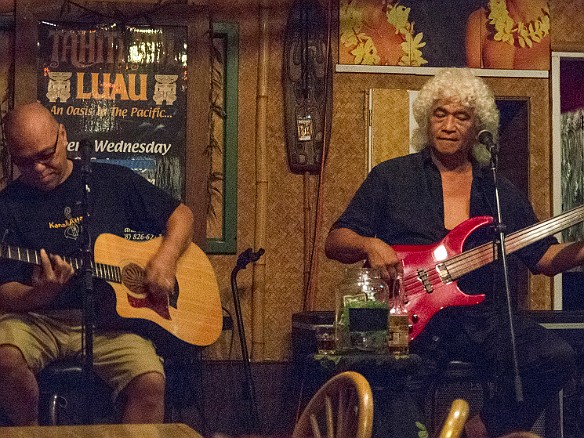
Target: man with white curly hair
{"points": [[416, 200]]}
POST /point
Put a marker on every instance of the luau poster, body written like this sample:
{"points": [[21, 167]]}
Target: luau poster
{"points": [[498, 34], [123, 89]]}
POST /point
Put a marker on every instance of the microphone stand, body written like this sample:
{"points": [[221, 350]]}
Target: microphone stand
{"points": [[88, 323], [499, 243], [243, 260]]}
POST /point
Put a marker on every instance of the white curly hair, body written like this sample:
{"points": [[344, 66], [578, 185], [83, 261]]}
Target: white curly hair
{"points": [[459, 85]]}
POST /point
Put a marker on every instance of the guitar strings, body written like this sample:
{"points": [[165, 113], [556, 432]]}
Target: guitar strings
{"points": [[477, 257]]}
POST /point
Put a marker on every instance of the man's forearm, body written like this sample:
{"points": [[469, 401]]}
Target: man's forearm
{"points": [[345, 245], [179, 233], [18, 297], [561, 257]]}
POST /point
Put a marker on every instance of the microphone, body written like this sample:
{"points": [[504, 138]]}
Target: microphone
{"points": [[486, 138], [85, 150]]}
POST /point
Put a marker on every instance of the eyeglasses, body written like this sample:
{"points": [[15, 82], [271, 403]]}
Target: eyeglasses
{"points": [[42, 157]]}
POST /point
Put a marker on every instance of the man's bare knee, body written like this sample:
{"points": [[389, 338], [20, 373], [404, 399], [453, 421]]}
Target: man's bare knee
{"points": [[11, 358], [143, 399], [145, 385], [20, 394]]}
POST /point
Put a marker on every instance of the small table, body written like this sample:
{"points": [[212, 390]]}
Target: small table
{"points": [[175, 430], [396, 414]]}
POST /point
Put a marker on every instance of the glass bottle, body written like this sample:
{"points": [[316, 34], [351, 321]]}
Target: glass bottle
{"points": [[361, 311], [398, 335]]}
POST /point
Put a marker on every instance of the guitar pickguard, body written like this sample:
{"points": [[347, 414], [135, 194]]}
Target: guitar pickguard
{"points": [[133, 279]]}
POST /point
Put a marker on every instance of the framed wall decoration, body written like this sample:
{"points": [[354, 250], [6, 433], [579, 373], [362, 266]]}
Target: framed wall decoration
{"points": [[568, 163], [419, 36], [222, 214], [135, 84], [123, 88]]}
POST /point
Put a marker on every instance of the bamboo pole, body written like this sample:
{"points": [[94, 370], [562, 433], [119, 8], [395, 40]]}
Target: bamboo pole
{"points": [[308, 190], [259, 268]]}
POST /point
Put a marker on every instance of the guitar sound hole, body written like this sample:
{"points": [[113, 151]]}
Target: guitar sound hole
{"points": [[133, 278]]}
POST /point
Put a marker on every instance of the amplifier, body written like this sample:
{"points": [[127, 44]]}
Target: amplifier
{"points": [[568, 324]]}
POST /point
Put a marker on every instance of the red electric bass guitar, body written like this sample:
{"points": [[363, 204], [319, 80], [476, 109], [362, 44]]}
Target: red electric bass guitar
{"points": [[431, 271]]}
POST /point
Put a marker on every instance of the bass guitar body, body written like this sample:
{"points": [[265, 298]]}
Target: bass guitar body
{"points": [[427, 286]]}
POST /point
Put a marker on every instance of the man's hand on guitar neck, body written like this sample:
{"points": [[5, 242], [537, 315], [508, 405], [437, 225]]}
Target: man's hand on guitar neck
{"points": [[46, 283], [52, 274]]}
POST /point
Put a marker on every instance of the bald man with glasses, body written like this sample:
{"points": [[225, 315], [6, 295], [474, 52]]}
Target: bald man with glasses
{"points": [[40, 306]]}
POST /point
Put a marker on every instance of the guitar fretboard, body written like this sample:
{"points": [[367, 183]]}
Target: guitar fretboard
{"points": [[33, 257], [481, 255]]}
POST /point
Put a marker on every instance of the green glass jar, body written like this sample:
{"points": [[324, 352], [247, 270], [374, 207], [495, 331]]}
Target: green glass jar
{"points": [[361, 312]]}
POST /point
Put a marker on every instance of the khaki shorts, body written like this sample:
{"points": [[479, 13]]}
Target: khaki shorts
{"points": [[119, 356]]}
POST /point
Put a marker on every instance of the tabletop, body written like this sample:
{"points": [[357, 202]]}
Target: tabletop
{"points": [[171, 430]]}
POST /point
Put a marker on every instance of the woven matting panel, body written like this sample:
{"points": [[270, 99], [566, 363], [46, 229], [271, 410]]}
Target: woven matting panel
{"points": [[390, 124], [567, 32]]}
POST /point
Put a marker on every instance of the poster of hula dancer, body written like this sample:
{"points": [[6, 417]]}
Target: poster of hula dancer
{"points": [[121, 88], [493, 34]]}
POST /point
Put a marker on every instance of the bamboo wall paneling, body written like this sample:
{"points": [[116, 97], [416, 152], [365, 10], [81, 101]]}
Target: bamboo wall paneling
{"points": [[390, 136], [245, 17], [259, 268], [306, 81]]}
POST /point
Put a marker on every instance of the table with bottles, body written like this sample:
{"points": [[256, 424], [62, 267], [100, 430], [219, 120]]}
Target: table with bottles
{"points": [[371, 334]]}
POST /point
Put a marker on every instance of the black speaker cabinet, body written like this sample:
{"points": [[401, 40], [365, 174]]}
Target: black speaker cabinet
{"points": [[564, 417]]}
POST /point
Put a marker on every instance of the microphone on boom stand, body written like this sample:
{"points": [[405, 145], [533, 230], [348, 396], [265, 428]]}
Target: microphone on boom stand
{"points": [[85, 149], [486, 138]]}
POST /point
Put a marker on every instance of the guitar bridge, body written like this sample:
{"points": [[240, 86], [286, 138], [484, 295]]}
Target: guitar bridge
{"points": [[423, 277], [444, 274]]}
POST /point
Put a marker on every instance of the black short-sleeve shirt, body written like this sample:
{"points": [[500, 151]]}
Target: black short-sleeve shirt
{"points": [[120, 202]]}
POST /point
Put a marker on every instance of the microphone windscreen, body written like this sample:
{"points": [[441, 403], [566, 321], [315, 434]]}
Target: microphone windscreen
{"points": [[485, 137]]}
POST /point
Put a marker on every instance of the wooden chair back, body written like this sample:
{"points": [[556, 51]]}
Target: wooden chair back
{"points": [[455, 420], [342, 407]]}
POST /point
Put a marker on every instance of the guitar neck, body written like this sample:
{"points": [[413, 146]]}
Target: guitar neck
{"points": [[482, 255], [33, 257]]}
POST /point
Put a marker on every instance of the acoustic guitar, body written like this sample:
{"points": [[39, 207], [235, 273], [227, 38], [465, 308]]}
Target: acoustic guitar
{"points": [[431, 271], [193, 312]]}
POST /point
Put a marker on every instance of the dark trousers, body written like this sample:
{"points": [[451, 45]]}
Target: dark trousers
{"points": [[480, 334]]}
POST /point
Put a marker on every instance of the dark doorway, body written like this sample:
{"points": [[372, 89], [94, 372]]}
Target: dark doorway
{"points": [[514, 165]]}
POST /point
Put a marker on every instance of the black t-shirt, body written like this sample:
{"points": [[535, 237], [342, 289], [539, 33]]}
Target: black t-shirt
{"points": [[120, 202], [401, 203]]}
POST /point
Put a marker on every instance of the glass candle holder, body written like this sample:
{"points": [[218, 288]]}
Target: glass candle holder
{"points": [[361, 311]]}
